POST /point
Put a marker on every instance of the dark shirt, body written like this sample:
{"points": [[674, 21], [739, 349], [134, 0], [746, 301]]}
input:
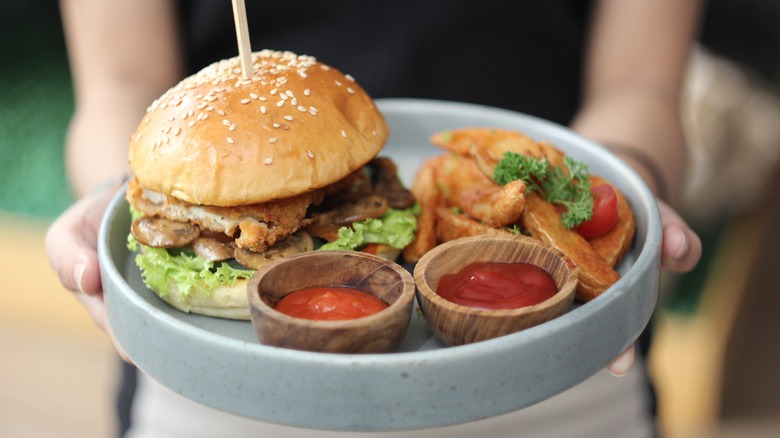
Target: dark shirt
{"points": [[525, 56]]}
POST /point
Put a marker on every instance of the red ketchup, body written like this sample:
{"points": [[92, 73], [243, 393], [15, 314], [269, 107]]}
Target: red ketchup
{"points": [[330, 303], [495, 285]]}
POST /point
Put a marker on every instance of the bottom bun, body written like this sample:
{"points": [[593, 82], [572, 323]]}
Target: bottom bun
{"points": [[228, 302]]}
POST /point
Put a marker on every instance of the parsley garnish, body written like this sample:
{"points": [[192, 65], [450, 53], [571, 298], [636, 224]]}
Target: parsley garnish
{"points": [[569, 187]]}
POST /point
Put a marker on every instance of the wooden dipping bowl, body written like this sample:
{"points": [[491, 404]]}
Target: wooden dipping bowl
{"points": [[456, 324], [378, 333]]}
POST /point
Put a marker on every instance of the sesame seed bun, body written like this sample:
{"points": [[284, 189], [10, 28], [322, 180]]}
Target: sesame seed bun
{"points": [[219, 139]]}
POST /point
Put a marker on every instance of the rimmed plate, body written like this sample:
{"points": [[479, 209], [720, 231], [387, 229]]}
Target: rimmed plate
{"points": [[425, 384]]}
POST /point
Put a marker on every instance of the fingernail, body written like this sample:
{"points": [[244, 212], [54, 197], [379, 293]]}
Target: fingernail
{"points": [[621, 366], [78, 275], [679, 239]]}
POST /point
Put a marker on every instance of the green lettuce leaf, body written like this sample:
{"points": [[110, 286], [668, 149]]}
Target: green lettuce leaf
{"points": [[159, 267], [395, 228]]}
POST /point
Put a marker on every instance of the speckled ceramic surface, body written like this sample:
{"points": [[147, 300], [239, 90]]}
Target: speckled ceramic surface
{"points": [[425, 384]]}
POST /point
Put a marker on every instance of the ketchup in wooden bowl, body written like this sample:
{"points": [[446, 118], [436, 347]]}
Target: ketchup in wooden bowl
{"points": [[477, 288], [497, 285], [332, 301]]}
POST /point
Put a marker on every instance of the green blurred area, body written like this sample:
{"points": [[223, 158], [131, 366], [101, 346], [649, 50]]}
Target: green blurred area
{"points": [[37, 102]]}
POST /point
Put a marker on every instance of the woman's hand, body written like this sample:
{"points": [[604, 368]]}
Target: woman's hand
{"points": [[680, 252], [71, 245]]}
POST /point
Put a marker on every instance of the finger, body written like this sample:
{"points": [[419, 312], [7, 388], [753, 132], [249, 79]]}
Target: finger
{"points": [[71, 244], [623, 363], [681, 247], [96, 307]]}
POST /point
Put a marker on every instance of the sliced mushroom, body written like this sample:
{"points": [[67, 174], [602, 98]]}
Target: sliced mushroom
{"points": [[299, 242], [212, 249], [389, 186], [326, 225], [158, 232]]}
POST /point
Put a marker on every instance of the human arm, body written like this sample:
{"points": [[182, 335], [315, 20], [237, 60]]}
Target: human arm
{"points": [[123, 55], [636, 58]]}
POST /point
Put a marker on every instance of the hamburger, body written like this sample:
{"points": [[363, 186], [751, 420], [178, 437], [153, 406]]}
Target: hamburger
{"points": [[233, 172]]}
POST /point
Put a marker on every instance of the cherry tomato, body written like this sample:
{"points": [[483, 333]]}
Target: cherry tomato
{"points": [[605, 213]]}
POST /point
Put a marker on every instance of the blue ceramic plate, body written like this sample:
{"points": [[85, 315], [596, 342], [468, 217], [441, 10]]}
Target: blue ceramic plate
{"points": [[425, 384]]}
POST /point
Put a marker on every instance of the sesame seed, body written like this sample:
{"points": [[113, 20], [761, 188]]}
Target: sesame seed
{"points": [[210, 108], [166, 140], [313, 110], [302, 108], [324, 67], [221, 112], [307, 92], [273, 92], [283, 96], [280, 103], [166, 130], [288, 118], [232, 127], [230, 140], [273, 139], [350, 90], [191, 123], [310, 153], [138, 138], [289, 93], [262, 98], [202, 105], [348, 76], [343, 133], [303, 74], [338, 83], [245, 101], [205, 116], [253, 96], [294, 101], [177, 131], [263, 109], [226, 122], [268, 160], [276, 125]]}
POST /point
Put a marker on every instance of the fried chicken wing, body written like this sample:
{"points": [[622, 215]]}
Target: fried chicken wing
{"points": [[463, 185]]}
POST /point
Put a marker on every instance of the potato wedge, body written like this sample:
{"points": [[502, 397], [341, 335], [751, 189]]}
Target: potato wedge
{"points": [[428, 198], [451, 226], [543, 221]]}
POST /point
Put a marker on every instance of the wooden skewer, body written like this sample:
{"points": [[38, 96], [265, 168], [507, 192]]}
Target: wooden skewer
{"points": [[242, 34]]}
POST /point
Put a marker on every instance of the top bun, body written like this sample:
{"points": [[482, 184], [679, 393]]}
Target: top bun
{"points": [[219, 139]]}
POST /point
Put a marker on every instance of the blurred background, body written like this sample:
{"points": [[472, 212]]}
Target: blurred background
{"points": [[717, 336]]}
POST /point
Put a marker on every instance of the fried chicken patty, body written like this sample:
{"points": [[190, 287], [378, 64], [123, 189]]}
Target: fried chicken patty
{"points": [[255, 227]]}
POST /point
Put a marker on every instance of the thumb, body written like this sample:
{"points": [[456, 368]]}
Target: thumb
{"points": [[71, 243], [681, 247]]}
